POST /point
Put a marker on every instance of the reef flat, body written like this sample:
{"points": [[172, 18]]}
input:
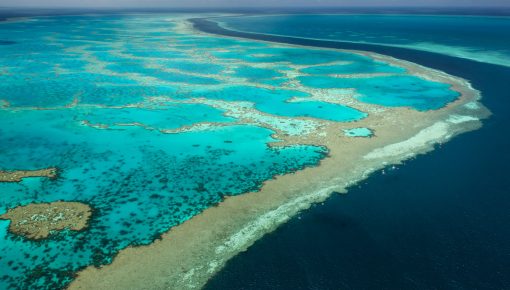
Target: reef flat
{"points": [[240, 220], [38, 221], [190, 146], [232, 226], [18, 175]]}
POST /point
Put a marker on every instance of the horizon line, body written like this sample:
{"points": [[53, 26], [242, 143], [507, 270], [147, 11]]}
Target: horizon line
{"points": [[261, 7]]}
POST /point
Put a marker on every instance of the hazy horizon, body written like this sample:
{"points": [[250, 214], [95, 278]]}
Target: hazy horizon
{"points": [[252, 4]]}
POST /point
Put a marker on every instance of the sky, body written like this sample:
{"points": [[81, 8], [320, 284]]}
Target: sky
{"points": [[250, 3]]}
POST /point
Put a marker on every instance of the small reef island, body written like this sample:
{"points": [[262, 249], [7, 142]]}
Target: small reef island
{"points": [[38, 221], [18, 175], [188, 146]]}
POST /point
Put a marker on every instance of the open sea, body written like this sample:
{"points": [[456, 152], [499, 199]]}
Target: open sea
{"points": [[439, 221]]}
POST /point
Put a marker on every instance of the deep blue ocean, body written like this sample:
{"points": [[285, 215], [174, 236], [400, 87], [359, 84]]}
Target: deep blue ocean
{"points": [[483, 38], [440, 221]]}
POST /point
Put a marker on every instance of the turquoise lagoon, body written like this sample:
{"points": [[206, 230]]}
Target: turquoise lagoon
{"points": [[358, 132], [391, 91], [95, 96]]}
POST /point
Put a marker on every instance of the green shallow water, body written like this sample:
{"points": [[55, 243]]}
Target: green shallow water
{"points": [[60, 76]]}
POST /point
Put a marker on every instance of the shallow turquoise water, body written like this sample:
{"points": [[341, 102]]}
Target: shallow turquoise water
{"points": [[62, 73], [354, 67], [256, 74], [171, 116], [275, 102], [392, 91], [359, 132]]}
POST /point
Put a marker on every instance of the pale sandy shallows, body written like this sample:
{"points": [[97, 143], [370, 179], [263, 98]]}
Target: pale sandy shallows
{"points": [[189, 254]]}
